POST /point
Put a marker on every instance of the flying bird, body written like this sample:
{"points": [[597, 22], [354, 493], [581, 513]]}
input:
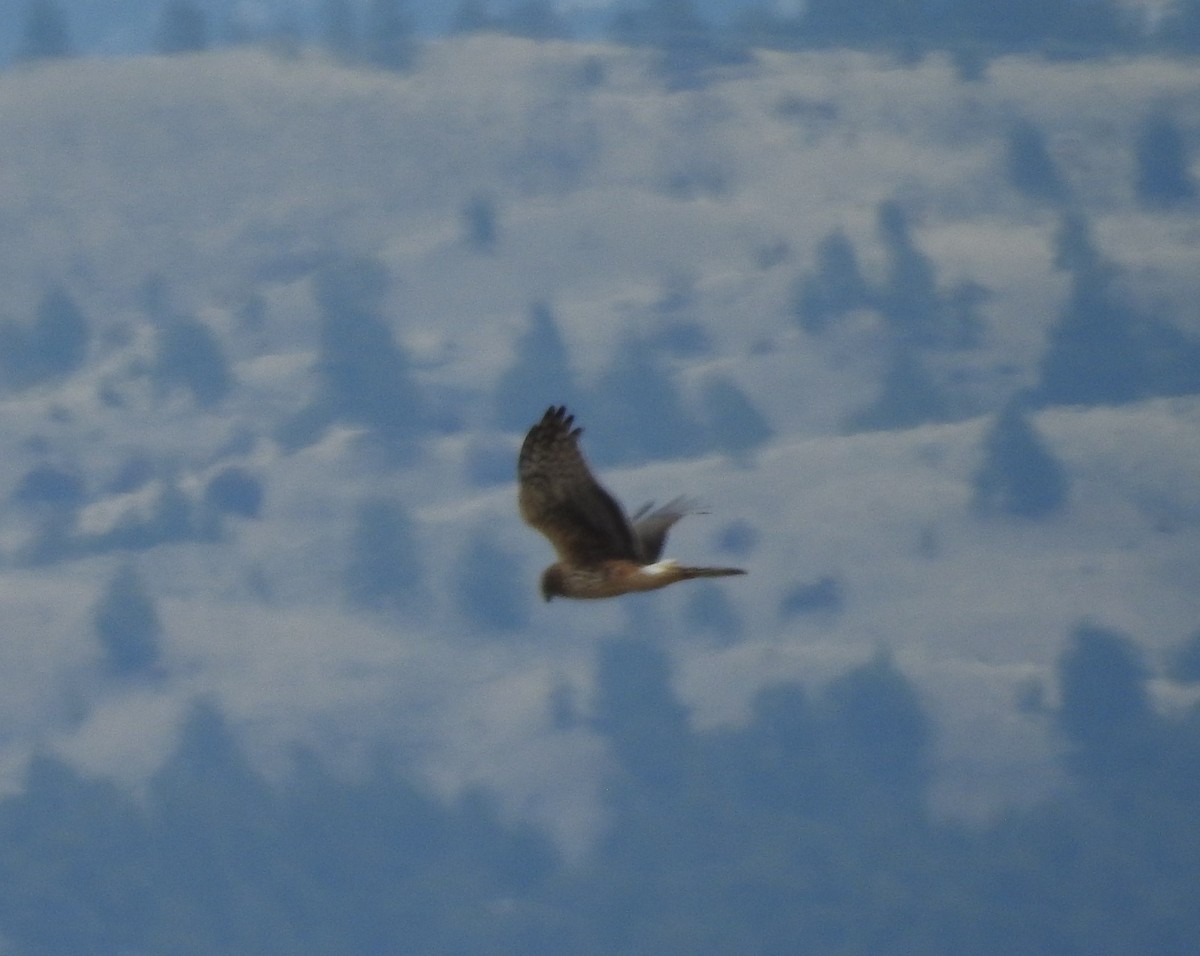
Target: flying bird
{"points": [[601, 552]]}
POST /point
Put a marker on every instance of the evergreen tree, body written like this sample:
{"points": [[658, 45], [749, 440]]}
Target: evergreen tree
{"points": [[1180, 28], [234, 491], [1102, 349], [480, 223], [189, 356], [1164, 176], [492, 591], [684, 43], [880, 733], [535, 20], [909, 299], [182, 28], [835, 288], [539, 376], [60, 335], [908, 397], [55, 343], [736, 426], [338, 33], [636, 710], [1031, 169], [1018, 475], [390, 40], [364, 373], [128, 627], [1105, 712], [384, 570], [1185, 661], [49, 486], [45, 35], [636, 413], [471, 16]]}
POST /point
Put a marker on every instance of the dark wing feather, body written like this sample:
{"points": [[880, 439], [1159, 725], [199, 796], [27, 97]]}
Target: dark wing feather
{"points": [[650, 527], [560, 498]]}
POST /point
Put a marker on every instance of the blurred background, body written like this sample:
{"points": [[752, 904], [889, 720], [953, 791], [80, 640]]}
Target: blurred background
{"points": [[903, 294]]}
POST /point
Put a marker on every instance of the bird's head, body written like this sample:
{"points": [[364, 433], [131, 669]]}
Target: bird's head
{"points": [[552, 583]]}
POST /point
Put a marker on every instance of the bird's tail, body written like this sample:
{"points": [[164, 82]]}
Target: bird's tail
{"points": [[686, 573]]}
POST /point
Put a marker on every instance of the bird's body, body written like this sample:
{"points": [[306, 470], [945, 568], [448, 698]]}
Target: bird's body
{"points": [[601, 552]]}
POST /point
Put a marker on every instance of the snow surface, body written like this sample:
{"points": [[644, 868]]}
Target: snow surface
{"points": [[229, 174]]}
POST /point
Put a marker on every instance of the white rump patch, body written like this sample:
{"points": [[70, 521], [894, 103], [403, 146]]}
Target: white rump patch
{"points": [[660, 567]]}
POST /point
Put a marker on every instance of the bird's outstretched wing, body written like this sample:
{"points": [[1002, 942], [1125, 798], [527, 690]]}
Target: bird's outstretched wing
{"points": [[560, 498], [650, 527]]}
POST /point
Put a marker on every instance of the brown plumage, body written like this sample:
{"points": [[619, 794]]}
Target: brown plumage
{"points": [[601, 552]]}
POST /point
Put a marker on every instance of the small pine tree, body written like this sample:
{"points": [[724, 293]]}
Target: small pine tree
{"points": [[338, 32], [182, 28], [1164, 176], [492, 593], [835, 288], [1018, 475], [909, 299], [471, 16], [189, 356], [127, 625], [540, 375], [1105, 712], [737, 427], [45, 35], [1031, 169], [908, 397], [391, 44], [480, 223], [384, 570]]}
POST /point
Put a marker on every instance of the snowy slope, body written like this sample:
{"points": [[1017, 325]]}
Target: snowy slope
{"points": [[229, 178]]}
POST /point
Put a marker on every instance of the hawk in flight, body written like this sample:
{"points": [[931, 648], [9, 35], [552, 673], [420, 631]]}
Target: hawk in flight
{"points": [[601, 552]]}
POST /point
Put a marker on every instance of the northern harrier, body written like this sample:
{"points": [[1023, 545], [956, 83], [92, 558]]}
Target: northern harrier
{"points": [[601, 553]]}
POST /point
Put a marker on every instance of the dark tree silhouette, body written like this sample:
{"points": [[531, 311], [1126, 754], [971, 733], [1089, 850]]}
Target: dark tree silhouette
{"points": [[908, 397], [391, 42], [881, 732], [1031, 169], [835, 287], [50, 486], [540, 375], [338, 30], [636, 412], [127, 625], [535, 20], [493, 593], [1018, 475], [384, 570], [909, 298], [735, 425], [636, 710], [182, 28], [55, 343], [825, 596], [45, 35], [471, 16], [1105, 712], [709, 611], [189, 356], [234, 491], [364, 373], [1103, 349], [1185, 661], [779, 759], [685, 45], [1164, 175], [480, 223]]}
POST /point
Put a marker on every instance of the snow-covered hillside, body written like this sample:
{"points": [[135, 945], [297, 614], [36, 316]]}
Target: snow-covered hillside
{"points": [[243, 205]]}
